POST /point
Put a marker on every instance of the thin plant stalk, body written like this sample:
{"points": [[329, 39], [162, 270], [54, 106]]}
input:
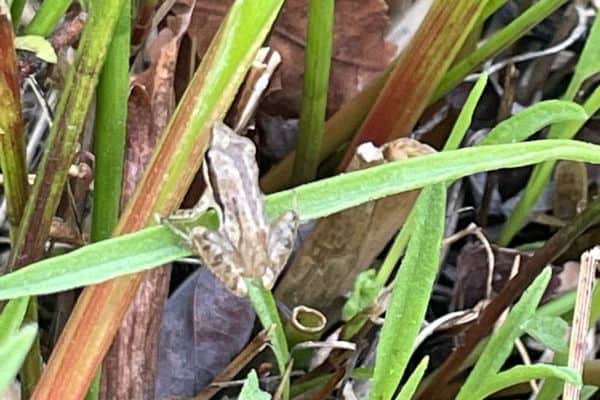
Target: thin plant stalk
{"points": [[109, 140], [316, 82], [12, 143], [16, 9], [12, 162], [47, 17]]}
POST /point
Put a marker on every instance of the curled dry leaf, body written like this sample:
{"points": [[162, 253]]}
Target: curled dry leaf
{"points": [[344, 244], [359, 48]]}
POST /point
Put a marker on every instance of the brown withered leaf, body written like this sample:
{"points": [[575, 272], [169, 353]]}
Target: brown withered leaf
{"points": [[204, 327], [152, 98], [130, 365], [346, 243], [359, 48]]}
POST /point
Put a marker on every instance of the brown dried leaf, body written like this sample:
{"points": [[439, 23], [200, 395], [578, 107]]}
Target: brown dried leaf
{"points": [[346, 243], [203, 328], [359, 48], [152, 98]]}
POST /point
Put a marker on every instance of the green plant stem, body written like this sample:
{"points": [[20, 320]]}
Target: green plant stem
{"points": [[47, 16], [16, 9], [109, 140], [316, 82], [110, 129], [12, 143], [498, 42]]}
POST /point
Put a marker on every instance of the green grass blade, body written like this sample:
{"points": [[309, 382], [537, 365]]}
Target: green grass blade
{"points": [[525, 373], [410, 387], [264, 304], [251, 390], [498, 42], [314, 96], [532, 119], [11, 317], [466, 115], [412, 290], [12, 353], [110, 127], [502, 341], [154, 246], [47, 16], [338, 193]]}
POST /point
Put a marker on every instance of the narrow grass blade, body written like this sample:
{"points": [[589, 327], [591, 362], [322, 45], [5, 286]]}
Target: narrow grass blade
{"points": [[11, 317], [502, 341], [532, 119], [314, 96], [251, 390], [525, 373], [109, 130], [47, 16], [412, 290], [12, 353], [410, 387], [157, 245], [264, 304], [466, 115]]}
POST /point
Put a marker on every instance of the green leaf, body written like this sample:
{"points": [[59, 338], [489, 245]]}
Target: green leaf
{"points": [[410, 387], [266, 310], [502, 341], [525, 373], [12, 353], [466, 114], [12, 317], [251, 390], [550, 331], [363, 294], [532, 119], [412, 290], [38, 45], [155, 246], [589, 62]]}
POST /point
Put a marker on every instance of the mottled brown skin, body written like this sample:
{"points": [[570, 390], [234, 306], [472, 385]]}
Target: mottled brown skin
{"points": [[245, 245]]}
